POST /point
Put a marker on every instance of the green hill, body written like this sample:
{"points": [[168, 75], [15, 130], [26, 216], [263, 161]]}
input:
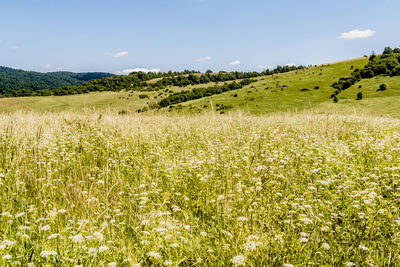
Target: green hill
{"points": [[313, 88], [13, 80]]}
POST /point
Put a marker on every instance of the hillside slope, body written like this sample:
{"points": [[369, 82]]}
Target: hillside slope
{"points": [[293, 91]]}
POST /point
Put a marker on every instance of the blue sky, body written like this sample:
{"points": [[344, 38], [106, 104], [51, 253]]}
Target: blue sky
{"points": [[117, 35]]}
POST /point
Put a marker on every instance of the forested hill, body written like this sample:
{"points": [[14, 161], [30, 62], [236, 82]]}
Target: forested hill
{"points": [[19, 80]]}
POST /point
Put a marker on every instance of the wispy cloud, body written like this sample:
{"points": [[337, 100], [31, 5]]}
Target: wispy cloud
{"points": [[14, 47], [203, 59], [127, 71], [121, 54], [47, 66], [51, 67], [290, 64], [234, 63], [263, 67], [356, 34]]}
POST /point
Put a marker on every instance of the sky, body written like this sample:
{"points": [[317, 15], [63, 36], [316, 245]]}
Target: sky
{"points": [[119, 36]]}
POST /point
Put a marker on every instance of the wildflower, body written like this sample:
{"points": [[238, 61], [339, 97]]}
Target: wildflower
{"points": [[174, 245], [288, 265], [47, 253], [78, 238], [45, 228], [103, 248], [7, 257], [306, 220], [242, 219], [203, 234], [53, 236], [251, 245], [175, 208], [92, 251], [154, 255], [326, 246], [168, 263], [239, 260], [350, 264], [20, 215], [363, 248], [112, 264], [99, 236], [31, 264]]}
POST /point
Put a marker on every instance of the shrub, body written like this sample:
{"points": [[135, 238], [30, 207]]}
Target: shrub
{"points": [[143, 96], [304, 90], [335, 99], [359, 96], [316, 87], [382, 87]]}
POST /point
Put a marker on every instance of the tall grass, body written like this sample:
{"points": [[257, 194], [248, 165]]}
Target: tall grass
{"points": [[107, 190]]}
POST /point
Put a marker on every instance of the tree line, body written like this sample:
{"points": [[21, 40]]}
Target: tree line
{"points": [[387, 64], [197, 93], [140, 81], [12, 80]]}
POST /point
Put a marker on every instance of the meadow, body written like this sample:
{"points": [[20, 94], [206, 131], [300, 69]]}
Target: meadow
{"points": [[92, 189]]}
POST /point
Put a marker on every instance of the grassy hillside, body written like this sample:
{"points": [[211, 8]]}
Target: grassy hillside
{"points": [[207, 190], [293, 91]]}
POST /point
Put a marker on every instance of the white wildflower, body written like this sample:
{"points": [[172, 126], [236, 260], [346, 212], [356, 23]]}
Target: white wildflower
{"points": [[103, 248], [154, 255], [326, 246], [306, 220], [92, 251], [45, 228], [53, 236], [20, 215], [239, 260], [78, 238], [99, 236], [242, 219], [47, 253], [7, 257]]}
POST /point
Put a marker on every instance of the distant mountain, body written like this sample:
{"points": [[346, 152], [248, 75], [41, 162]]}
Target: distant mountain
{"points": [[17, 80]]}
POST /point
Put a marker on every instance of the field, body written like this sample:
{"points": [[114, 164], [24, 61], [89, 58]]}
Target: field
{"points": [[109, 190]]}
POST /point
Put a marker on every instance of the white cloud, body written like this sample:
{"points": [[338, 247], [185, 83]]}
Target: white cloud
{"points": [[127, 71], [264, 67], [203, 59], [51, 67], [234, 63], [355, 34], [47, 66], [291, 64], [14, 47], [121, 54]]}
